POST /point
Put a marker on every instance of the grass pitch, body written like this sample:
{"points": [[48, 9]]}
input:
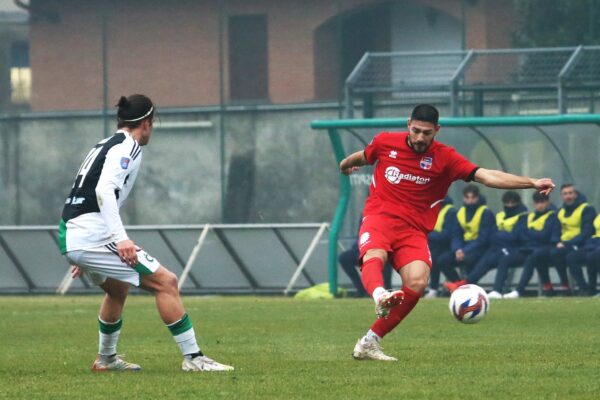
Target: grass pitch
{"points": [[290, 349]]}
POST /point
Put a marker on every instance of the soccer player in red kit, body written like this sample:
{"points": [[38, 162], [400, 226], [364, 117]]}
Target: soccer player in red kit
{"points": [[412, 175]]}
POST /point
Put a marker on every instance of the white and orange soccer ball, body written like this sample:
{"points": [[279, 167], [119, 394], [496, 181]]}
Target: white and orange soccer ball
{"points": [[469, 304]]}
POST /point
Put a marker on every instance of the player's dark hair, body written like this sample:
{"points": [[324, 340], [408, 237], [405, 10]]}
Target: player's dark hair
{"points": [[471, 189], [425, 113], [511, 197], [133, 110], [566, 185], [539, 198]]}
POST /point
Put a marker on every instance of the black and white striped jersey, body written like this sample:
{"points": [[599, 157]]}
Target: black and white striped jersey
{"points": [[90, 216]]}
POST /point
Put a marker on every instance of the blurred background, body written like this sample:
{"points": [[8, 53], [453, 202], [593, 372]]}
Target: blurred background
{"points": [[238, 82]]}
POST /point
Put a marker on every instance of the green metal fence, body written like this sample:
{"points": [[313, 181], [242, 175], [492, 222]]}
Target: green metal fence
{"points": [[564, 147]]}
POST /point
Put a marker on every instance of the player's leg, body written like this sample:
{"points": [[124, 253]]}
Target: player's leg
{"points": [[110, 323], [486, 263], [447, 264], [105, 269], [373, 246], [557, 257], [530, 260], [575, 259], [415, 277], [163, 284], [592, 260], [434, 279], [349, 260], [542, 265], [507, 260]]}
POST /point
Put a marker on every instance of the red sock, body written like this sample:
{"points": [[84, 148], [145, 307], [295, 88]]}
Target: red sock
{"points": [[383, 326], [372, 274]]}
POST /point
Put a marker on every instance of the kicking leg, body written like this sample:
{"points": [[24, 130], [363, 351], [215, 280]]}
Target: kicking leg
{"points": [[415, 277]]}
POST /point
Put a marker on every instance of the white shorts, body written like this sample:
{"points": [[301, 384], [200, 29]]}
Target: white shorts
{"points": [[104, 262]]}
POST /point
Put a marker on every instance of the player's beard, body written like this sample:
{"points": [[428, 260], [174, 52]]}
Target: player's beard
{"points": [[418, 147]]}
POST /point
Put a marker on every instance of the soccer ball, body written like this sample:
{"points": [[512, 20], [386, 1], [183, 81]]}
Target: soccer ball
{"points": [[469, 304]]}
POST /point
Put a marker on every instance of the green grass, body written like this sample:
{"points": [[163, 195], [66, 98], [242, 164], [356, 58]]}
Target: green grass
{"points": [[289, 349]]}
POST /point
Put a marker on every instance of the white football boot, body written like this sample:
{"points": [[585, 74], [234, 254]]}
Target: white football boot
{"points": [[370, 349], [494, 295], [203, 364], [512, 295], [431, 294], [117, 364], [388, 300]]}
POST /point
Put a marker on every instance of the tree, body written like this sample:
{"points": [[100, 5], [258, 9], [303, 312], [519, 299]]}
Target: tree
{"points": [[551, 23]]}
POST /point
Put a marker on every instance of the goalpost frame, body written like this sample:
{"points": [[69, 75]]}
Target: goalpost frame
{"points": [[333, 126]]}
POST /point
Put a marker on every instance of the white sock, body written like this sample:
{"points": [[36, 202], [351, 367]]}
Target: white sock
{"points": [[187, 342], [372, 335], [184, 335], [377, 293], [108, 337]]}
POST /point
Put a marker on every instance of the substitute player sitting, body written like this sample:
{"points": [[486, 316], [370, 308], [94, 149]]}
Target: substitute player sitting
{"points": [[93, 238], [411, 179]]}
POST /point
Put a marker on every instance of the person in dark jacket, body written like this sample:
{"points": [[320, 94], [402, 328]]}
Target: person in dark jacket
{"points": [[541, 235], [444, 240], [504, 243], [589, 255], [577, 225], [477, 223]]}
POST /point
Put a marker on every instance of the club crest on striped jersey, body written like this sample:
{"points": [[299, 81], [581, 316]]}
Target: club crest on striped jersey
{"points": [[125, 162], [426, 162]]}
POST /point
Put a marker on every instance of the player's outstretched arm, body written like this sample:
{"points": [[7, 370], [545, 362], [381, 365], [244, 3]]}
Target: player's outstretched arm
{"points": [[352, 163], [503, 180]]}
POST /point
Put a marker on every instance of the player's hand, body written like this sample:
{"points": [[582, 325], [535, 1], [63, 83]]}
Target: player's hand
{"points": [[348, 170], [76, 272], [128, 252], [544, 186], [560, 245]]}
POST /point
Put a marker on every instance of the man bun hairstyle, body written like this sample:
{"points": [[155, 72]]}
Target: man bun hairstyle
{"points": [[425, 113], [511, 197], [133, 110]]}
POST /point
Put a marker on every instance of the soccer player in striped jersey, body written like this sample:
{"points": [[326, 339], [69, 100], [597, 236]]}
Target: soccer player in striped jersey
{"points": [[411, 179], [93, 239]]}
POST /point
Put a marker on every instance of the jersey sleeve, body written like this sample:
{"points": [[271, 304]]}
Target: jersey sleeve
{"points": [[459, 167], [373, 148], [114, 172]]}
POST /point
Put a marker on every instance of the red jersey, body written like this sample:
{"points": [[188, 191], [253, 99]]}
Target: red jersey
{"points": [[411, 185]]}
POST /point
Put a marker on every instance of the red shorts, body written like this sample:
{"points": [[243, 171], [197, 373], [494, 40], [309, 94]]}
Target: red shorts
{"points": [[403, 243]]}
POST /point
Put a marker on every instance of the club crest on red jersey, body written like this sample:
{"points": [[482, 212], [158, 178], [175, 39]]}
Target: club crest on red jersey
{"points": [[426, 162]]}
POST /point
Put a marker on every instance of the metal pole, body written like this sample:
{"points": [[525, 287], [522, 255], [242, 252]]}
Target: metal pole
{"points": [[454, 81], [222, 106], [340, 211], [567, 68], [192, 259], [304, 261], [105, 127]]}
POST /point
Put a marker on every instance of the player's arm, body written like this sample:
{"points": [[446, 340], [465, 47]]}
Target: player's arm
{"points": [[353, 162], [503, 180], [110, 183]]}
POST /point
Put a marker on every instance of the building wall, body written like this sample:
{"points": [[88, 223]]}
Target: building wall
{"points": [[170, 50]]}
